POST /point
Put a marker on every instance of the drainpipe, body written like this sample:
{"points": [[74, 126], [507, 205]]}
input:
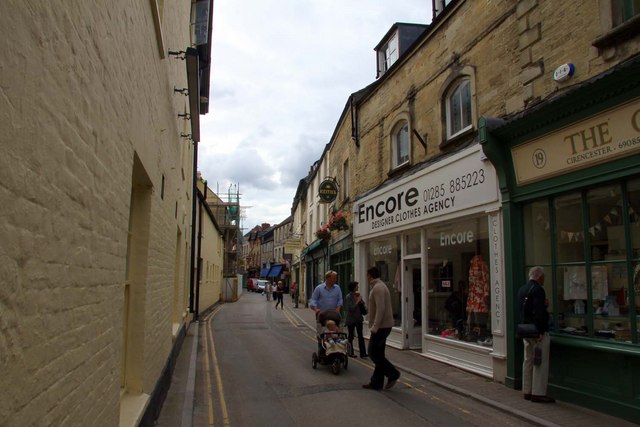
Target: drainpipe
{"points": [[194, 198], [202, 200]]}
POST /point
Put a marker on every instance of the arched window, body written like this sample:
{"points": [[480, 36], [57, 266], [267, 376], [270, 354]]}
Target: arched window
{"points": [[400, 145], [458, 111]]}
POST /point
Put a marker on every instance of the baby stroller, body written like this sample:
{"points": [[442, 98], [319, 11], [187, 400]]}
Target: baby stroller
{"points": [[333, 346]]}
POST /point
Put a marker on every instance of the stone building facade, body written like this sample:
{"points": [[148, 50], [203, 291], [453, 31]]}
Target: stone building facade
{"points": [[424, 192], [96, 188]]}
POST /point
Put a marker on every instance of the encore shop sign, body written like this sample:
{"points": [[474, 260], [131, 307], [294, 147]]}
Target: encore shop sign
{"points": [[462, 182]]}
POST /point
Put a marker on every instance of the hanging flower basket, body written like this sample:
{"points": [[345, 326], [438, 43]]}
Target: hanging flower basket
{"points": [[323, 233], [338, 221]]}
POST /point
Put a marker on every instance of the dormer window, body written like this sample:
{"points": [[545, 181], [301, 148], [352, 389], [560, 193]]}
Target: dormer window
{"points": [[440, 5], [395, 44], [388, 54]]}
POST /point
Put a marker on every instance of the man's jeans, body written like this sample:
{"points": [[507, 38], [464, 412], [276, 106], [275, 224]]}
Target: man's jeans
{"points": [[384, 368]]}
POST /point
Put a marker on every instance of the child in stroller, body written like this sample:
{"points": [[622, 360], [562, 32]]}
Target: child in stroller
{"points": [[332, 343], [331, 336]]}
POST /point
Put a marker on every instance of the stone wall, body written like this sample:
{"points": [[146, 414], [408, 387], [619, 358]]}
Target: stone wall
{"points": [[85, 89]]}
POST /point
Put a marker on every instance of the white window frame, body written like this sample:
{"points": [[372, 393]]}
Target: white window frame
{"points": [[439, 5], [396, 141], [388, 54], [456, 91]]}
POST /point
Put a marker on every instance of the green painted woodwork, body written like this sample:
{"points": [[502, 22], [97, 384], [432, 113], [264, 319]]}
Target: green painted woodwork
{"points": [[596, 373]]}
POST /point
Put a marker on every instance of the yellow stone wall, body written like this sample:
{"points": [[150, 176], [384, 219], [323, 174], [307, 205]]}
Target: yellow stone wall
{"points": [[85, 89]]}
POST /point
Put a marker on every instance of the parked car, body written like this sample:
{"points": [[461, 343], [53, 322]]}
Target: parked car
{"points": [[252, 285], [262, 284]]}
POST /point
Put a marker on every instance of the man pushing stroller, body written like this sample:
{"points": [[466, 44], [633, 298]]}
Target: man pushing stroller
{"points": [[326, 297]]}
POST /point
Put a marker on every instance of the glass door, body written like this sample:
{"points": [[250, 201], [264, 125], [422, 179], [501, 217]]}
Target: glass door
{"points": [[413, 301]]}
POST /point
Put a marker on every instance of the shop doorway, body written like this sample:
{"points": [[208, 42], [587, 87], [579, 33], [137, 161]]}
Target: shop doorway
{"points": [[413, 303]]}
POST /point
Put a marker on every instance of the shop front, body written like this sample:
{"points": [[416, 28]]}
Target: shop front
{"points": [[341, 261], [314, 258], [570, 183], [436, 237]]}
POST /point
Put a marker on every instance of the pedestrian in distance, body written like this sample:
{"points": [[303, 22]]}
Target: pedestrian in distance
{"points": [[279, 295], [380, 324], [268, 290], [533, 309], [356, 309], [292, 291]]}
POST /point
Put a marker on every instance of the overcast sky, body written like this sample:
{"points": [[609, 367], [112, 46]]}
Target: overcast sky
{"points": [[281, 74]]}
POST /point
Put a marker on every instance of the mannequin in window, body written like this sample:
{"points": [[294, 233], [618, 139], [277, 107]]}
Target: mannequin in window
{"points": [[478, 299]]}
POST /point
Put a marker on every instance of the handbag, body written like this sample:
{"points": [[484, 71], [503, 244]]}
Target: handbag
{"points": [[527, 330], [363, 309]]}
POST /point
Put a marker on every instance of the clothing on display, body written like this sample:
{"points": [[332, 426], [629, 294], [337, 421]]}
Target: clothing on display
{"points": [[478, 299]]}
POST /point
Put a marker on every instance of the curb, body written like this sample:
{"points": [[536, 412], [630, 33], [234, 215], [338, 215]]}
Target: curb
{"points": [[189, 394]]}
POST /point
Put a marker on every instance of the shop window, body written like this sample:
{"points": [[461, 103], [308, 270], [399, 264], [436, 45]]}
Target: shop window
{"points": [[536, 218], [412, 244], [458, 108], [591, 264], [569, 230], [459, 285], [400, 145], [385, 254]]}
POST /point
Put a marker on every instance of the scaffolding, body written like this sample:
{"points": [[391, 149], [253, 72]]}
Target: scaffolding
{"points": [[228, 212]]}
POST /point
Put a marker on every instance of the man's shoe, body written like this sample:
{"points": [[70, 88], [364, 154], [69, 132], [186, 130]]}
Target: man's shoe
{"points": [[370, 387], [391, 383], [527, 396], [542, 399], [353, 355], [364, 355]]}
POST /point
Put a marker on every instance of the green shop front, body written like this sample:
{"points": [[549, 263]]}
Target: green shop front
{"points": [[569, 176]]}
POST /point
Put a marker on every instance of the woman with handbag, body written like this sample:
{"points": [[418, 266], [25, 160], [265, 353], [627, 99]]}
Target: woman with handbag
{"points": [[535, 367], [355, 312]]}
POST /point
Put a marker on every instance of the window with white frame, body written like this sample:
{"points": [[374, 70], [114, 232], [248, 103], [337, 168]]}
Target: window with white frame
{"points": [[388, 54], [400, 144], [458, 108], [624, 10], [439, 5]]}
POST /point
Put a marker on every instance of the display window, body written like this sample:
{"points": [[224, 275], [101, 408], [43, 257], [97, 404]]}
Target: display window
{"points": [[385, 254], [459, 286], [593, 237]]}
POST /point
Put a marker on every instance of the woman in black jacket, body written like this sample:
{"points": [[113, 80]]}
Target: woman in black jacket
{"points": [[355, 311]]}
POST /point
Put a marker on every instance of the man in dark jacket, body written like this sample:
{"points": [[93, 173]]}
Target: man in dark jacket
{"points": [[533, 309]]}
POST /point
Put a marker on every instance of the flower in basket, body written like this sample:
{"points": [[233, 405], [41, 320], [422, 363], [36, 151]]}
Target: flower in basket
{"points": [[338, 222], [323, 233]]}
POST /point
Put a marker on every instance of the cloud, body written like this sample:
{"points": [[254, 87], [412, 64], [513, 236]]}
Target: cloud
{"points": [[282, 71]]}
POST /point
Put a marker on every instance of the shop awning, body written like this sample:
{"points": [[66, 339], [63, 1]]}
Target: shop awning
{"points": [[275, 270], [312, 247], [264, 272]]}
